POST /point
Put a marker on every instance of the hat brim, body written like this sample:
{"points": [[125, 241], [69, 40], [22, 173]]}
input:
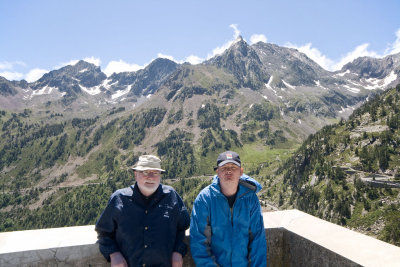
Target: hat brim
{"points": [[140, 168], [225, 162]]}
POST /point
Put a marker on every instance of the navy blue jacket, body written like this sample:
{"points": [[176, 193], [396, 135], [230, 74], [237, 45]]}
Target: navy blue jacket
{"points": [[144, 234]]}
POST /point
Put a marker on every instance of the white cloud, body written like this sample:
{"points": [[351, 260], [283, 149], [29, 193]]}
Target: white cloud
{"points": [[63, 64], [9, 75], [395, 47], [8, 70], [93, 60], [329, 64], [359, 51], [120, 66], [255, 38], [192, 59], [5, 65], [235, 28], [221, 49], [160, 55], [35, 74], [314, 54]]}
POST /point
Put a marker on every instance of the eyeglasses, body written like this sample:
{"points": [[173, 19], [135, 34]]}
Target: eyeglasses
{"points": [[229, 169], [151, 173]]}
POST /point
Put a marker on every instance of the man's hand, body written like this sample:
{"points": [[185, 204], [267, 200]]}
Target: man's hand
{"points": [[117, 260], [177, 260]]}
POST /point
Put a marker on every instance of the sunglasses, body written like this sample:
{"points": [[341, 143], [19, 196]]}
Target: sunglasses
{"points": [[151, 173], [229, 169]]}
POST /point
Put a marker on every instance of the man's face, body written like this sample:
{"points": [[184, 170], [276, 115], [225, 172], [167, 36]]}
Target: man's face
{"points": [[148, 181], [229, 174]]}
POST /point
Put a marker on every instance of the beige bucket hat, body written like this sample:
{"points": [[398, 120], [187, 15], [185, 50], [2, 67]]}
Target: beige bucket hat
{"points": [[148, 162]]}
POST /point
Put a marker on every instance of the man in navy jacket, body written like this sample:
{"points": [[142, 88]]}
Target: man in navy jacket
{"points": [[226, 226], [144, 224]]}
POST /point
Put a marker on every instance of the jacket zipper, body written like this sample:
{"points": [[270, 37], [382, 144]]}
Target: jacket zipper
{"points": [[245, 193]]}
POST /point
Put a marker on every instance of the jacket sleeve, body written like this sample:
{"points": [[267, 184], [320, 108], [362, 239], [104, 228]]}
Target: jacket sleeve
{"points": [[182, 225], [105, 228], [200, 235], [258, 244]]}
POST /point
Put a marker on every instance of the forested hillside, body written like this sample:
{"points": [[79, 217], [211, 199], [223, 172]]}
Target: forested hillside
{"points": [[59, 171], [69, 139], [349, 172]]}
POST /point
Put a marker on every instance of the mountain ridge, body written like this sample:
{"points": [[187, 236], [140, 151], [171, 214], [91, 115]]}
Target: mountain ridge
{"points": [[258, 66], [58, 146]]}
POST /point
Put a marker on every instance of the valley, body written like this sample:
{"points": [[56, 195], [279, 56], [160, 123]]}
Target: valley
{"points": [[318, 141]]}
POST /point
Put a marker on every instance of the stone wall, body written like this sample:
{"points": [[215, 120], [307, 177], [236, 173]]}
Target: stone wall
{"points": [[293, 238]]}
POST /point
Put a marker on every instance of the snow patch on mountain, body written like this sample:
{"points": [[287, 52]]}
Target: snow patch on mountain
{"points": [[44, 91], [379, 83], [106, 84], [270, 88], [351, 89], [120, 93], [346, 109], [95, 90], [343, 73], [319, 85], [288, 85], [268, 85]]}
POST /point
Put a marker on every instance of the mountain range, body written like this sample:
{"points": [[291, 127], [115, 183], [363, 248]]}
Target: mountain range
{"points": [[275, 72], [306, 95], [68, 139]]}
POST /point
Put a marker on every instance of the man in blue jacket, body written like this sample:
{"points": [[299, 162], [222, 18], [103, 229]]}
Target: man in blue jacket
{"points": [[226, 227], [144, 224]]}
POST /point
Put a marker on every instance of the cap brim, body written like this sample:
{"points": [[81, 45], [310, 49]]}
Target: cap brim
{"points": [[227, 161], [139, 168]]}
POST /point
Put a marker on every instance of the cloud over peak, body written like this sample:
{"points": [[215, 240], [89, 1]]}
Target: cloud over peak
{"points": [[255, 38], [120, 66], [359, 51], [219, 50]]}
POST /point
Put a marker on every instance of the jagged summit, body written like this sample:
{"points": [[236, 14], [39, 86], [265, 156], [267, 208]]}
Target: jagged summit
{"points": [[145, 81], [374, 67], [243, 62], [373, 73], [72, 79], [239, 39], [283, 75]]}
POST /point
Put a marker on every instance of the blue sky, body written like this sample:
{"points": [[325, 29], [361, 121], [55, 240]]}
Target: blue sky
{"points": [[37, 36]]}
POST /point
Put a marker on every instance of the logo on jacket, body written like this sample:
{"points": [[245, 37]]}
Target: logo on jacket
{"points": [[166, 207]]}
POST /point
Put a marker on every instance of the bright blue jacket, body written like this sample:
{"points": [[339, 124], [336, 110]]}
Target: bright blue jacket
{"points": [[220, 236]]}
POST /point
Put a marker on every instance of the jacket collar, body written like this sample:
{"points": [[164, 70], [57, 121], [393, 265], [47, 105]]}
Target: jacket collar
{"points": [[138, 197], [246, 185]]}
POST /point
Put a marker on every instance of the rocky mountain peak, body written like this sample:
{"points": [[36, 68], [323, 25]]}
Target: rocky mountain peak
{"points": [[373, 73], [145, 81], [161, 64], [243, 62], [373, 67], [6, 87], [71, 78]]}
